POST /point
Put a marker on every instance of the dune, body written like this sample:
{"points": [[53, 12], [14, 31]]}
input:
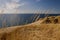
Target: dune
{"points": [[39, 30]]}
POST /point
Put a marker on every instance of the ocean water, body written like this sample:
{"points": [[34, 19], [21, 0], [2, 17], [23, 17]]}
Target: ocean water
{"points": [[8, 20]]}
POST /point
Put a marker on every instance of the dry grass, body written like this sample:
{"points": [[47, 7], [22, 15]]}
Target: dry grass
{"points": [[33, 31]]}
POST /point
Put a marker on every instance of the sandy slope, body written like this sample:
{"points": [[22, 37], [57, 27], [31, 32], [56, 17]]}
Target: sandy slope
{"points": [[33, 31]]}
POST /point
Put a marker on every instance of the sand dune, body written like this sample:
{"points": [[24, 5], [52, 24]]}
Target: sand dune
{"points": [[38, 30]]}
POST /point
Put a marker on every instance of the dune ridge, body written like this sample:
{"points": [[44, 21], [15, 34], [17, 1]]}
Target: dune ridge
{"points": [[38, 30]]}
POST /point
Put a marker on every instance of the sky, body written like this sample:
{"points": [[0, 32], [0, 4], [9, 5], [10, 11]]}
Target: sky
{"points": [[29, 6]]}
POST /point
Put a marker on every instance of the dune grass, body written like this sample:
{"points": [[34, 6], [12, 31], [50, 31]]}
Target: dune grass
{"points": [[31, 32]]}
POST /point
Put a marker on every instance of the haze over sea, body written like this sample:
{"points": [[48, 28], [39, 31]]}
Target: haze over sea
{"points": [[7, 20]]}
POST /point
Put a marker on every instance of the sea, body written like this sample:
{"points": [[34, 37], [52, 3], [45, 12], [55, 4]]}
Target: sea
{"points": [[8, 20]]}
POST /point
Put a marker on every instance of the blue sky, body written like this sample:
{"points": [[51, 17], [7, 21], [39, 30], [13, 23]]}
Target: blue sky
{"points": [[29, 6]]}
